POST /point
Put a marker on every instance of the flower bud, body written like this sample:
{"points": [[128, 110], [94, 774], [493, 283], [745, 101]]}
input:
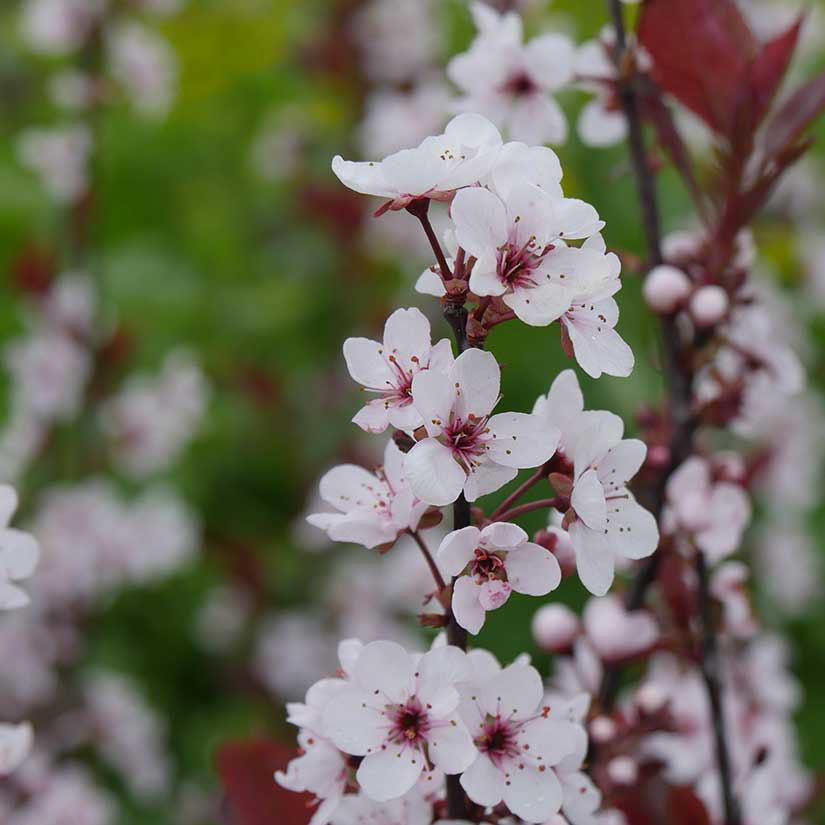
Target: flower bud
{"points": [[559, 543], [602, 729], [650, 698], [709, 305], [665, 288], [622, 770], [555, 626]]}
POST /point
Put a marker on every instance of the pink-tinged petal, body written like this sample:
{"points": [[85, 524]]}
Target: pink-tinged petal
{"points": [[519, 163], [552, 738], [588, 500], [15, 744], [503, 535], [598, 126], [407, 338], [385, 669], [348, 652], [405, 417], [348, 487], [521, 440], [483, 782], [353, 725], [493, 594], [441, 356], [439, 670], [451, 747], [515, 692], [375, 416], [632, 531], [8, 503], [537, 118], [366, 363], [577, 219], [393, 466], [728, 516], [599, 348], [532, 794], [433, 474], [363, 528], [598, 432], [484, 278], [529, 215], [326, 810], [616, 633], [389, 772], [539, 305], [480, 221], [19, 553], [478, 376], [430, 283], [581, 797], [366, 178], [486, 478], [595, 562], [689, 477], [473, 130], [467, 610], [11, 596], [456, 550], [433, 395], [562, 407], [621, 463], [549, 60], [532, 570]]}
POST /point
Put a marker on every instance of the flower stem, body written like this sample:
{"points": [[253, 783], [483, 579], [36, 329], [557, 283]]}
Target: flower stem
{"points": [[428, 557], [419, 208], [518, 493], [528, 507]]}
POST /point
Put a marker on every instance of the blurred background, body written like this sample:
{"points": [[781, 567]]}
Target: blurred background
{"points": [[180, 268]]}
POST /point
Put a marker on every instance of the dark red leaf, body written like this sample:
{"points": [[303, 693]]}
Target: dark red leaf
{"points": [[794, 116], [770, 67], [253, 797], [702, 52]]}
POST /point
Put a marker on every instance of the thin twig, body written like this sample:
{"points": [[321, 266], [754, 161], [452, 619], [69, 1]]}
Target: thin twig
{"points": [[518, 493], [419, 208], [709, 661], [529, 507], [428, 557]]}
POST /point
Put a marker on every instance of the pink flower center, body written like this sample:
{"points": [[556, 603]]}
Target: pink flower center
{"points": [[409, 724], [516, 264], [400, 392], [498, 739], [520, 84], [486, 566], [467, 440]]}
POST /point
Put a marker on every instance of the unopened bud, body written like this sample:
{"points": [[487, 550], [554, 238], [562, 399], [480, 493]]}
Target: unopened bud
{"points": [[622, 770], [602, 729], [709, 305], [665, 288], [431, 518], [650, 698], [559, 543], [555, 626]]}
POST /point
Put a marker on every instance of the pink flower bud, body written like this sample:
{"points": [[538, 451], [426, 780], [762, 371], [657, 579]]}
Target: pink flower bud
{"points": [[665, 288], [650, 698], [555, 626], [622, 770], [602, 729], [709, 305], [558, 542]]}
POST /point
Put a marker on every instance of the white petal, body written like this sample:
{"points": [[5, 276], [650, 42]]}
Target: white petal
{"points": [[456, 550], [348, 652], [588, 500], [366, 363], [441, 356], [493, 593], [549, 58], [483, 782], [597, 346], [467, 610], [433, 474], [375, 416], [439, 670], [478, 376], [595, 562], [576, 218], [348, 487], [532, 794], [562, 406], [15, 744], [8, 503], [430, 283], [480, 221], [521, 440], [404, 417], [389, 772], [503, 535], [540, 305], [532, 569], [581, 797], [598, 126], [386, 670], [367, 178], [553, 738], [18, 554], [486, 478], [515, 692], [433, 396], [729, 514], [621, 463], [354, 726], [537, 118], [632, 530], [598, 432], [484, 278], [370, 530], [407, 338], [451, 747], [518, 163]]}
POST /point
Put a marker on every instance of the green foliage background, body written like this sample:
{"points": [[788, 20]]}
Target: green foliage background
{"points": [[192, 248]]}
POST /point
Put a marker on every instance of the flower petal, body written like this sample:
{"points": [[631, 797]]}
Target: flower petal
{"points": [[515, 692], [389, 772], [532, 569], [532, 794], [631, 530], [486, 478], [433, 395], [595, 562], [483, 782], [353, 725], [433, 473], [385, 669], [467, 610], [451, 747], [407, 338], [521, 440], [480, 221], [503, 535], [456, 550], [478, 376], [588, 500]]}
